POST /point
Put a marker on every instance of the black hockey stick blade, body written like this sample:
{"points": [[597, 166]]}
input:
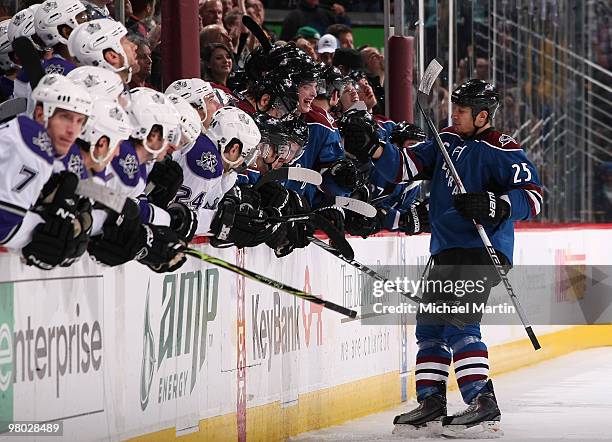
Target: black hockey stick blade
{"points": [[336, 238], [357, 206], [30, 59], [270, 282], [13, 107], [290, 173], [259, 33]]}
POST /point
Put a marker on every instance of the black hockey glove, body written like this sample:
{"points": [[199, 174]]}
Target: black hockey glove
{"points": [[275, 202], [183, 220], [82, 224], [334, 215], [238, 219], [360, 225], [159, 248], [345, 173], [416, 219], [298, 232], [167, 176], [484, 207], [360, 134], [58, 198], [48, 246]]}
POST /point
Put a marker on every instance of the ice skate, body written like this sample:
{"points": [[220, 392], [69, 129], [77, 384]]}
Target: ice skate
{"points": [[479, 421], [426, 419]]}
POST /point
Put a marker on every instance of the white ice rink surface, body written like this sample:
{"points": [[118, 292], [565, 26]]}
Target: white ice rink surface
{"points": [[567, 398]]}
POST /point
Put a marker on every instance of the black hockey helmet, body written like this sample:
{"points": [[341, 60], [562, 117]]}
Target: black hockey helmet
{"points": [[405, 131], [285, 137], [296, 127], [330, 80], [238, 81], [479, 95]]}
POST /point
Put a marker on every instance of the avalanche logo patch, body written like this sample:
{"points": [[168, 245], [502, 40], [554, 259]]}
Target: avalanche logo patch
{"points": [[506, 139], [208, 162], [129, 164]]}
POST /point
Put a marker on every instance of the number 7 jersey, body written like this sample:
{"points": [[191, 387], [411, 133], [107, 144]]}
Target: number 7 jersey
{"points": [[491, 161]]}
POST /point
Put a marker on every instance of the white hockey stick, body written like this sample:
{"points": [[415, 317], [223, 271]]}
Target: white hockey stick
{"points": [[357, 206], [101, 194], [430, 75]]}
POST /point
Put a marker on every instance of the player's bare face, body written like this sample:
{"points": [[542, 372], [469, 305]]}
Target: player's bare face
{"points": [[306, 94], [64, 127], [349, 96], [103, 154], [462, 119]]}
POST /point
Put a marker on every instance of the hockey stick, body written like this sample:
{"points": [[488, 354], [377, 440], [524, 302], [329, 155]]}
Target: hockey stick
{"points": [[30, 60], [377, 276], [269, 282], [13, 107], [357, 206], [104, 195], [259, 33], [290, 173], [429, 76]]}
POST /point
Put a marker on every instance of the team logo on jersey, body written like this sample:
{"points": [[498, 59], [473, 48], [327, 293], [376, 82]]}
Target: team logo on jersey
{"points": [[505, 139], [207, 161], [458, 151], [75, 164], [55, 69], [44, 143], [129, 164]]}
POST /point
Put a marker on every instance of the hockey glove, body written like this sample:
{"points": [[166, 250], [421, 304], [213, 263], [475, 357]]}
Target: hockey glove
{"points": [[82, 224], [297, 233], [58, 198], [183, 220], [363, 226], [484, 207], [334, 215], [345, 173], [360, 134], [159, 248], [48, 246], [416, 219], [167, 176]]}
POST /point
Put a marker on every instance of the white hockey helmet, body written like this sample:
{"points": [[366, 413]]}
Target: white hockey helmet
{"points": [[194, 90], [54, 13], [231, 125], [6, 64], [191, 126], [101, 83], [55, 91], [88, 42], [150, 108], [22, 25], [108, 119]]}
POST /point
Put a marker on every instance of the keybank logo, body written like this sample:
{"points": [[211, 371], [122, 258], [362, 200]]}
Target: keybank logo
{"points": [[188, 304]]}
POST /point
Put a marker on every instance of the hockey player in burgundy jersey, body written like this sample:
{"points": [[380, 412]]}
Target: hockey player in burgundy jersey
{"points": [[503, 187]]}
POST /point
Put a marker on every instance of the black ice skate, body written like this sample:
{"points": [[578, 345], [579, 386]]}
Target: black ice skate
{"points": [[479, 421], [426, 419]]}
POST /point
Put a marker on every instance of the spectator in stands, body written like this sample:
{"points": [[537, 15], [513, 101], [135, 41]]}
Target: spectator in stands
{"points": [[374, 63], [215, 34], [482, 69], [326, 47], [343, 33], [310, 34], [255, 9], [233, 24], [142, 11], [211, 12], [98, 8], [306, 46], [141, 77], [308, 13], [347, 60], [216, 63]]}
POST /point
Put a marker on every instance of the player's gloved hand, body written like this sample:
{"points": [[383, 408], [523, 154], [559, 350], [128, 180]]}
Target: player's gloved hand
{"points": [[359, 225], [274, 198], [183, 220], [159, 248], [416, 219], [238, 220], [345, 173], [82, 224], [334, 215], [298, 232], [167, 175], [48, 246], [360, 134], [57, 197], [118, 242], [484, 207]]}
